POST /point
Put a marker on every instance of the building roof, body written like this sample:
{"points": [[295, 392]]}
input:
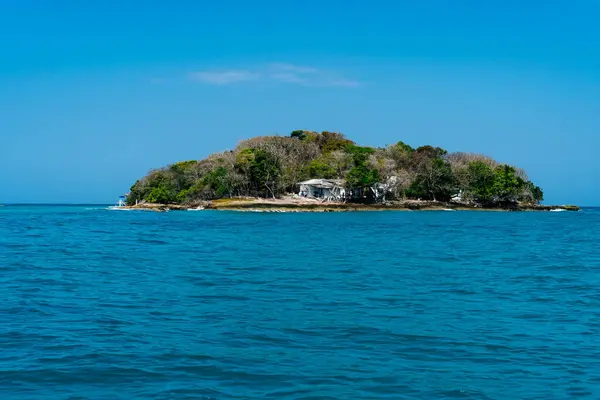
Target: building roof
{"points": [[324, 183]]}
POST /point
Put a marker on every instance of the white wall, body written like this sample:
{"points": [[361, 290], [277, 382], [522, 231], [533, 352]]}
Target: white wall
{"points": [[321, 193]]}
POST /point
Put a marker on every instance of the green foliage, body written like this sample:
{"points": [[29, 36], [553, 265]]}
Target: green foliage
{"points": [[269, 166], [299, 134], [481, 180], [321, 168], [403, 147], [195, 192], [265, 172], [161, 194], [400, 153], [332, 141], [181, 175], [359, 154], [304, 135], [434, 179], [136, 193], [183, 166], [157, 187], [531, 193], [217, 180], [507, 185], [536, 192], [327, 141], [360, 176], [430, 152], [244, 160]]}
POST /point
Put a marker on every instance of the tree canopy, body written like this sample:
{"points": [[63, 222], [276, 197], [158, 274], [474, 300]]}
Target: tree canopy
{"points": [[271, 166]]}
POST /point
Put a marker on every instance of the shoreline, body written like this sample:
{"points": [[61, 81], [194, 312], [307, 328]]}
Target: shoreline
{"points": [[303, 205]]}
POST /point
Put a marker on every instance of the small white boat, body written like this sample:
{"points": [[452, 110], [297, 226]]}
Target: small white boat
{"points": [[117, 208], [121, 203]]}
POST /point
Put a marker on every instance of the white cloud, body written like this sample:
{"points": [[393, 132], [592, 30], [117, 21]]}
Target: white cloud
{"points": [[277, 72], [308, 76], [289, 73], [298, 69], [224, 77], [289, 77]]}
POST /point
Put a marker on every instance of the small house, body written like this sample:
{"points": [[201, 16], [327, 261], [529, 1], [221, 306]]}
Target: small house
{"points": [[328, 189]]}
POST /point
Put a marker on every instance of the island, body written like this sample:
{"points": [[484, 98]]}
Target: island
{"points": [[326, 171]]}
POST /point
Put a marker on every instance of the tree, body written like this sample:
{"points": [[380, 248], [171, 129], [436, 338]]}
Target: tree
{"points": [[299, 134], [322, 168], [182, 175], [162, 195], [360, 154], [434, 179], [481, 178], [464, 175], [401, 183], [360, 177], [386, 167], [265, 173], [537, 193], [507, 184], [157, 187], [332, 141], [268, 166], [433, 175], [531, 193], [136, 193], [400, 153], [341, 163], [326, 141], [219, 182], [428, 152], [291, 154]]}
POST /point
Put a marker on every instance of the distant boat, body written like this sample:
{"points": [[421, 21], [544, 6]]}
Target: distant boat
{"points": [[122, 201], [118, 208]]}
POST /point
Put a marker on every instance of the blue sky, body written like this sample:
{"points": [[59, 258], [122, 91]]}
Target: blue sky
{"points": [[94, 94]]}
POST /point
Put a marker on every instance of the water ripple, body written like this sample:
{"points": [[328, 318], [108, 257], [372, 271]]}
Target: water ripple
{"points": [[213, 306]]}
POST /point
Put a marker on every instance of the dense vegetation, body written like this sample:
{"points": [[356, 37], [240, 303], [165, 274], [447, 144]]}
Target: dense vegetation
{"points": [[271, 166]]}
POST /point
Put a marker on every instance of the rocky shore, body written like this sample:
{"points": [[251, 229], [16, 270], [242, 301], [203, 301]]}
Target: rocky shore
{"points": [[310, 205]]}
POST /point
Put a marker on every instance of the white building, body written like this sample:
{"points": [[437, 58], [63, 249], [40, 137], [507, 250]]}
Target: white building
{"points": [[329, 189], [457, 197]]}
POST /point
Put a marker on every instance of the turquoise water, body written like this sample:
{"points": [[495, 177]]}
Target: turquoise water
{"points": [[103, 304]]}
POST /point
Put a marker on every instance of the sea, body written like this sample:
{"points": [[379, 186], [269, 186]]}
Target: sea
{"points": [[103, 304]]}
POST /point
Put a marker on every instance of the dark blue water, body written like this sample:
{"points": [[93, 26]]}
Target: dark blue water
{"points": [[213, 305]]}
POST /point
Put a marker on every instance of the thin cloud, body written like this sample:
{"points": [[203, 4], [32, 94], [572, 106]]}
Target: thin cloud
{"points": [[223, 77], [289, 77], [299, 69], [290, 73], [308, 76], [283, 73]]}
